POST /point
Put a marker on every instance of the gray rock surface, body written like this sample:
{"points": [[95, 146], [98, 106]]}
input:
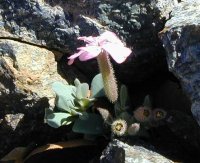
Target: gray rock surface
{"points": [[181, 39], [119, 152], [55, 24]]}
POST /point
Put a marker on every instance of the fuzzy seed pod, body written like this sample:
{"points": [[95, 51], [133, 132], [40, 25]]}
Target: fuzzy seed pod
{"points": [[119, 127], [107, 117], [133, 129], [159, 114], [143, 114], [109, 81]]}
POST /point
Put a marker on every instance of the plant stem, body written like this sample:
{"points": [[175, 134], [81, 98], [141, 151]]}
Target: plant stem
{"points": [[109, 81]]}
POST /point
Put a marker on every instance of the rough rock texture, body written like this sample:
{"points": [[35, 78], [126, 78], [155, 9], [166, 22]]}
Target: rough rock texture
{"points": [[31, 68], [56, 24], [181, 39], [120, 152], [138, 23], [38, 23], [27, 73]]}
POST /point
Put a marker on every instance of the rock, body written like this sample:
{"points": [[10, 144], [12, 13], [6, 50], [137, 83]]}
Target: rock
{"points": [[120, 152], [12, 120], [57, 24], [38, 23], [181, 40], [26, 75], [138, 23], [33, 70]]}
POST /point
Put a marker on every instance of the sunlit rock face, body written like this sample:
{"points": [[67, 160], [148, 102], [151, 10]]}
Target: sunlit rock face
{"points": [[181, 39]]}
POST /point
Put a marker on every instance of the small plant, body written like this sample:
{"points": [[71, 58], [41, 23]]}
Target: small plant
{"points": [[72, 104], [123, 123], [101, 47], [76, 103]]}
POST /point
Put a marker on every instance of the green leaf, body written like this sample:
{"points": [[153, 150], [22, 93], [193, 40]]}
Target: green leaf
{"points": [[97, 87], [82, 90], [56, 120], [147, 101], [64, 96], [76, 112], [85, 103], [123, 96], [47, 111], [126, 116], [117, 109], [92, 124]]}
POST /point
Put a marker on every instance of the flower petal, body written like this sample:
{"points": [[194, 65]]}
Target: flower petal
{"points": [[72, 57], [70, 62], [89, 52], [117, 52], [75, 55], [109, 37]]}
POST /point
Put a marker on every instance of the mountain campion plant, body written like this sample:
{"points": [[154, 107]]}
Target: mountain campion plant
{"points": [[101, 47], [78, 104]]}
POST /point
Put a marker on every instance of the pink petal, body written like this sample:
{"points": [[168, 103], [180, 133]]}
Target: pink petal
{"points": [[72, 57], [109, 37], [70, 62], [89, 52], [75, 55], [117, 52]]}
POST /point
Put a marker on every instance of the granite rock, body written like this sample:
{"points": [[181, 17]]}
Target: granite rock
{"points": [[181, 39], [120, 152], [55, 24], [26, 75]]}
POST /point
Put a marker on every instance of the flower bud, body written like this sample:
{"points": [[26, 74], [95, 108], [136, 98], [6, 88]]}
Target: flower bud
{"points": [[133, 129], [143, 114], [107, 117], [159, 114]]}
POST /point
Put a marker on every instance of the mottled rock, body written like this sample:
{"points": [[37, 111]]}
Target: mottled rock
{"points": [[12, 120], [56, 24], [181, 39], [38, 23], [26, 75], [165, 7], [120, 152], [33, 70], [137, 23]]}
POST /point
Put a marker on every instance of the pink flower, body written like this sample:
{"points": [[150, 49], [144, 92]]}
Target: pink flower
{"points": [[107, 43]]}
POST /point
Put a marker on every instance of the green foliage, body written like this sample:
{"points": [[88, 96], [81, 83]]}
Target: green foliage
{"points": [[89, 124], [97, 88], [121, 105], [72, 104], [82, 90], [64, 96], [123, 96], [147, 101], [58, 119]]}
